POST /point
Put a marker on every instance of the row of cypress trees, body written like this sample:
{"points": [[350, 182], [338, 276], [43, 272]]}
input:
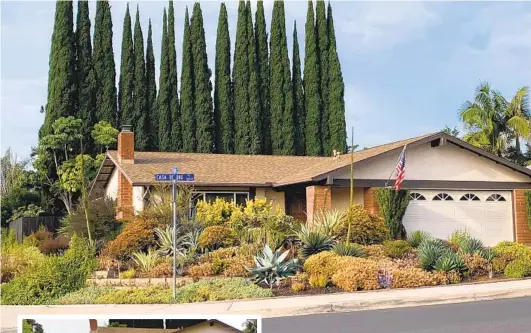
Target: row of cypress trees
{"points": [[260, 104]]}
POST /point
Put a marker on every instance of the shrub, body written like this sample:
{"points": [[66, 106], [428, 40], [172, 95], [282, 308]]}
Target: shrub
{"points": [[507, 252], [476, 264], [313, 243], [348, 250], [217, 236], [86, 295], [18, 260], [260, 213], [430, 251], [150, 295], [162, 269], [393, 205], [236, 266], [216, 213], [417, 237], [450, 262], [396, 249], [146, 261], [356, 274], [459, 237], [299, 282], [53, 277], [43, 235], [272, 267], [318, 281], [324, 263], [220, 289], [518, 268], [412, 277], [366, 228], [471, 246], [54, 246], [135, 236], [129, 274], [374, 251], [204, 269]]}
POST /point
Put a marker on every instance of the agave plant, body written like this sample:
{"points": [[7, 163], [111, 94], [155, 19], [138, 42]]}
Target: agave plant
{"points": [[348, 250], [430, 251], [146, 261], [417, 237], [313, 243], [327, 221], [272, 267], [184, 242], [471, 246], [450, 262]]}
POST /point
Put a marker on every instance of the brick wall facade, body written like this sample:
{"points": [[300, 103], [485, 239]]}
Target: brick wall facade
{"points": [[126, 147], [124, 198], [369, 200], [317, 198], [521, 225]]}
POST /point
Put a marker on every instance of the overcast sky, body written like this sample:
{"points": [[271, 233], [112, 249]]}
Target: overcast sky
{"points": [[407, 66]]}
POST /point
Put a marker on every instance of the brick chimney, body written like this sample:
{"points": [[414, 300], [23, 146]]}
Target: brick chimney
{"points": [[93, 325], [126, 145]]}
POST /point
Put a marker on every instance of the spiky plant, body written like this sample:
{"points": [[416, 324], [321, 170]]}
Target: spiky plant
{"points": [[417, 237], [313, 243], [430, 251], [146, 261], [165, 241], [459, 237], [348, 250], [471, 246], [327, 221], [272, 267], [450, 262]]}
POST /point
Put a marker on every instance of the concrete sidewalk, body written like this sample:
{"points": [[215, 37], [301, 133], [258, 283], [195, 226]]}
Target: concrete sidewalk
{"points": [[289, 306]]}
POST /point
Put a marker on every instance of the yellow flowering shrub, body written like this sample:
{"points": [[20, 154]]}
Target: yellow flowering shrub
{"points": [[216, 213], [356, 274], [215, 237], [412, 277], [322, 264]]}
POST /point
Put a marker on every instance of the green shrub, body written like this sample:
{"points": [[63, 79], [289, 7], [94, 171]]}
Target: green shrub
{"points": [[396, 249], [459, 237], [393, 205], [215, 237], [430, 251], [348, 250], [17, 260], [137, 235], [365, 228], [86, 295], [260, 213], [215, 213], [313, 243], [507, 252], [518, 269], [150, 295], [527, 194], [52, 277], [417, 237]]}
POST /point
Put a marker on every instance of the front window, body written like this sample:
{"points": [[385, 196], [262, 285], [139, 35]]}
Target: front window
{"points": [[240, 198]]}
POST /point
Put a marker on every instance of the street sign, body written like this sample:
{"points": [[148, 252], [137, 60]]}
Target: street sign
{"points": [[180, 177]]}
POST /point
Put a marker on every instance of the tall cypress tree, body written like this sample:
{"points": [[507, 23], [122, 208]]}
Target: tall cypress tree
{"points": [[202, 86], [223, 111], [176, 136], [140, 113], [255, 112], [262, 59], [151, 92], [104, 66], [163, 99], [127, 74], [240, 78], [86, 77], [61, 75], [298, 97], [187, 90], [312, 100], [337, 123], [282, 128], [321, 28]]}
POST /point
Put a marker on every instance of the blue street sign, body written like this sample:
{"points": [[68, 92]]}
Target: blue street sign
{"points": [[168, 177]]}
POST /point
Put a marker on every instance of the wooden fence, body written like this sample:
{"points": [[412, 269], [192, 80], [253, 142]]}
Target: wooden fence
{"points": [[25, 226]]}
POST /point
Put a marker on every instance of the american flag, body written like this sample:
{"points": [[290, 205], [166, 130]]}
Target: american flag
{"points": [[400, 170]]}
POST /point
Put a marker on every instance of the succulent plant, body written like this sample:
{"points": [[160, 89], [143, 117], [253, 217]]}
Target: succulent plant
{"points": [[146, 261], [417, 237], [450, 262], [349, 250], [471, 246], [272, 267], [313, 243], [430, 251]]}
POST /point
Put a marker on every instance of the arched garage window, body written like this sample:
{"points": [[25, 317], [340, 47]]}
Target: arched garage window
{"points": [[416, 196], [496, 197], [469, 197], [443, 197]]}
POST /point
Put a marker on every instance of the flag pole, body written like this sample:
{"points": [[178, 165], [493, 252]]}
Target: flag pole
{"points": [[392, 172]]}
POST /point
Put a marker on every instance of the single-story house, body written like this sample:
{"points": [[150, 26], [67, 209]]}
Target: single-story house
{"points": [[453, 184], [204, 326]]}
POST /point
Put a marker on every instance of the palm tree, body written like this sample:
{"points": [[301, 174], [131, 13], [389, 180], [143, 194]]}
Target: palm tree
{"points": [[493, 123]]}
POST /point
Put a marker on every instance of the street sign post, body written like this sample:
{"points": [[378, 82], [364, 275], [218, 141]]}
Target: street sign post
{"points": [[174, 177]]}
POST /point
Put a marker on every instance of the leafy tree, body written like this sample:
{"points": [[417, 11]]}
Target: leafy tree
{"points": [[493, 123], [322, 35], [151, 91], [61, 75], [282, 128], [188, 121], [86, 76], [202, 86], [451, 131], [223, 110], [11, 170], [312, 101], [103, 56], [336, 94], [165, 120], [176, 136], [104, 135], [127, 74], [262, 60], [140, 113], [298, 97]]}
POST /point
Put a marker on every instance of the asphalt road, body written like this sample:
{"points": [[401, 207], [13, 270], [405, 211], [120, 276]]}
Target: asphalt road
{"points": [[507, 315]]}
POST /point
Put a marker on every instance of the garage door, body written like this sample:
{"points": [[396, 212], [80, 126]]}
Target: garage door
{"points": [[486, 215]]}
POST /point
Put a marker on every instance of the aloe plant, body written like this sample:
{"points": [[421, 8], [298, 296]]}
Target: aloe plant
{"points": [[146, 261], [272, 267]]}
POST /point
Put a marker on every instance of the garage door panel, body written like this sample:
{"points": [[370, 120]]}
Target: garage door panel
{"points": [[490, 221]]}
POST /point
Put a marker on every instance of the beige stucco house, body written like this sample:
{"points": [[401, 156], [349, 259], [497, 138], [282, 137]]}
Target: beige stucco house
{"points": [[453, 184], [208, 326]]}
